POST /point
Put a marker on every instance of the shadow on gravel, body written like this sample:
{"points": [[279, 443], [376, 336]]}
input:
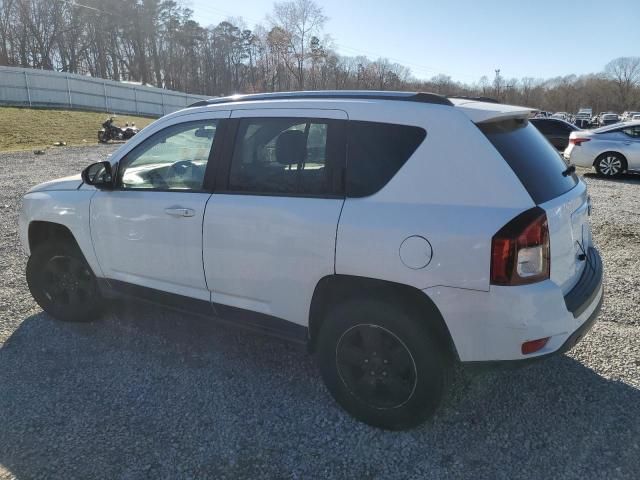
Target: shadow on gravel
{"points": [[150, 394]]}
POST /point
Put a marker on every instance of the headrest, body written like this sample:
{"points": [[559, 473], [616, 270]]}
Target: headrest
{"points": [[291, 147]]}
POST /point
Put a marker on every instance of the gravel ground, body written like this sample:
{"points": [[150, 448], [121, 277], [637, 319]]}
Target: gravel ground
{"points": [[144, 393]]}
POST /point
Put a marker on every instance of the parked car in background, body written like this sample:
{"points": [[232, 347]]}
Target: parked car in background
{"points": [[560, 115], [555, 130], [583, 118], [388, 266], [582, 122], [628, 116], [608, 119], [611, 150], [636, 117]]}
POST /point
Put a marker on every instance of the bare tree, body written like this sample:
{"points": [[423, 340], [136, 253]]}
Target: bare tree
{"points": [[625, 72], [159, 42], [301, 20]]}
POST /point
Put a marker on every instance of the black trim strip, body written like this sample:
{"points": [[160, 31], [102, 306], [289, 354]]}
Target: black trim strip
{"points": [[582, 294], [237, 317], [420, 97], [263, 323], [111, 288]]}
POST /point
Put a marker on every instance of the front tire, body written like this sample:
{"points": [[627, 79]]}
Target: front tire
{"points": [[102, 137], [610, 164], [62, 282], [381, 363]]}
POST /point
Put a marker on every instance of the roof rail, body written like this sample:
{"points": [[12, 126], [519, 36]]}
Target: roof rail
{"points": [[420, 97], [476, 99]]}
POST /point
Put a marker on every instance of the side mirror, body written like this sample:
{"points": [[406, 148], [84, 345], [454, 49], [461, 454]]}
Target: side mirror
{"points": [[99, 175]]}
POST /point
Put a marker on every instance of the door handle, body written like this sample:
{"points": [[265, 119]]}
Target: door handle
{"points": [[180, 212]]}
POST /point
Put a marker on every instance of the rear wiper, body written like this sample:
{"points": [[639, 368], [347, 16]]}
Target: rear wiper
{"points": [[570, 169]]}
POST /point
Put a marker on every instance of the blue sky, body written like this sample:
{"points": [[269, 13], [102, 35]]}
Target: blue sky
{"points": [[467, 39]]}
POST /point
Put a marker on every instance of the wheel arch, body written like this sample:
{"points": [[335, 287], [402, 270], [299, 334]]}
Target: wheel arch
{"points": [[41, 231], [334, 289]]}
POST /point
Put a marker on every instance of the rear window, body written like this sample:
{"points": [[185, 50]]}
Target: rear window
{"points": [[531, 157], [375, 153]]}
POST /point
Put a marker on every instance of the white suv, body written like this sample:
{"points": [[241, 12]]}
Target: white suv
{"points": [[395, 233]]}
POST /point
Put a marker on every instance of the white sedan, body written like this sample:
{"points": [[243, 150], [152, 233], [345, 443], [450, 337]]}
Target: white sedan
{"points": [[611, 150]]}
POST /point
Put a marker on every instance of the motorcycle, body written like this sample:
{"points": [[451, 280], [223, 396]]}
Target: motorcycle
{"points": [[129, 130], [109, 131]]}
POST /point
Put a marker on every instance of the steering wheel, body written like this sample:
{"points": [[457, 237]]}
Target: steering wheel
{"points": [[157, 180], [180, 169]]}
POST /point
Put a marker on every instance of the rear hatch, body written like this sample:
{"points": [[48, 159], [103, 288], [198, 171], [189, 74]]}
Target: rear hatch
{"points": [[559, 192]]}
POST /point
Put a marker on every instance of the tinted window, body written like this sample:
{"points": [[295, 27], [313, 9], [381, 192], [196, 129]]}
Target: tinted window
{"points": [[173, 159], [375, 152], [553, 127], [534, 160], [285, 156], [543, 125], [632, 131], [560, 128]]}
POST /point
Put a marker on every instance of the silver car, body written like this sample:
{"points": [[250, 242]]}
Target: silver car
{"points": [[611, 150]]}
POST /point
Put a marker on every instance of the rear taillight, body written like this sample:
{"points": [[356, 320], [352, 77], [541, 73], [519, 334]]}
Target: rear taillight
{"points": [[520, 250], [578, 141]]}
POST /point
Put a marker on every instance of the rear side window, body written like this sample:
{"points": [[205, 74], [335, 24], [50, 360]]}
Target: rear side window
{"points": [[534, 160], [375, 153], [287, 156]]}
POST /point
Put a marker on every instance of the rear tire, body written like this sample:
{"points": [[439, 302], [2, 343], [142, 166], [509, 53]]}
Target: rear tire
{"points": [[610, 164], [381, 363], [62, 282]]}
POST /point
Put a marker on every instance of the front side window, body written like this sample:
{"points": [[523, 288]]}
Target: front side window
{"points": [[285, 156], [172, 159]]}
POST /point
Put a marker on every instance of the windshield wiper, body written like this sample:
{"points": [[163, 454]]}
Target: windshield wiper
{"points": [[570, 169]]}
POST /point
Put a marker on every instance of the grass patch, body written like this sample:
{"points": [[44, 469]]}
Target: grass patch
{"points": [[35, 128]]}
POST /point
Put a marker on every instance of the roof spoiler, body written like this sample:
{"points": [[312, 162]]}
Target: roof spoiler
{"points": [[476, 99]]}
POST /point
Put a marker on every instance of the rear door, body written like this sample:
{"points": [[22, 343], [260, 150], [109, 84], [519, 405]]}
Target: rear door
{"points": [[269, 230]]}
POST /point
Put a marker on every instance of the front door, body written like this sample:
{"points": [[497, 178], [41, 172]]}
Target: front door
{"points": [[148, 230], [270, 230]]}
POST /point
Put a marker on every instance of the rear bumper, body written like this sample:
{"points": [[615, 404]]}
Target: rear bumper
{"points": [[582, 295], [580, 332], [491, 327], [581, 156], [568, 344]]}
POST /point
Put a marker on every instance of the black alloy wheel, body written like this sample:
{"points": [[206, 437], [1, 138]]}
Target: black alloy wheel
{"points": [[62, 282], [376, 366]]}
